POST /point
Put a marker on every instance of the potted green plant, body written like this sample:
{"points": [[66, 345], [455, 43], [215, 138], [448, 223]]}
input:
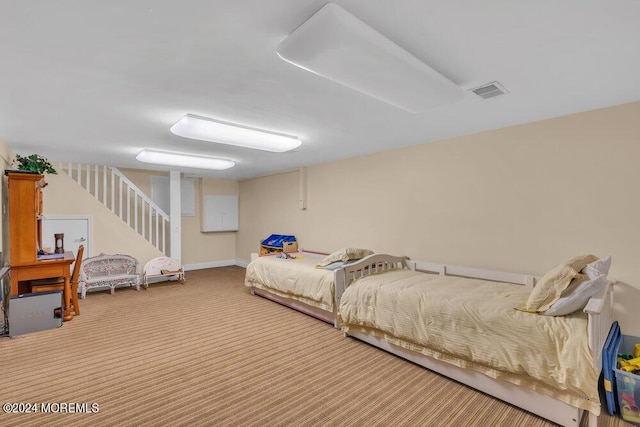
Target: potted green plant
{"points": [[34, 164]]}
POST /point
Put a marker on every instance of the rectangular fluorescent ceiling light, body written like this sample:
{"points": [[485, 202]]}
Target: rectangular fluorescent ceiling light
{"points": [[338, 46], [206, 129], [183, 160]]}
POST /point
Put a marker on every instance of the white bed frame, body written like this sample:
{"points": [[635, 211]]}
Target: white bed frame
{"points": [[339, 281], [318, 313], [599, 310], [324, 315]]}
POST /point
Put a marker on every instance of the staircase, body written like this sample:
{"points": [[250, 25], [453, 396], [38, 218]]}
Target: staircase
{"points": [[109, 186]]}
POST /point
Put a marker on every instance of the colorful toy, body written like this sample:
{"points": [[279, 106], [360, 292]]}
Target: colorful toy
{"points": [[629, 396], [286, 255], [630, 365]]}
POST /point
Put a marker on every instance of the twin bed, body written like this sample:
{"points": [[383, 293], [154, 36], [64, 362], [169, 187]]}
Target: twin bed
{"points": [[460, 322], [295, 282]]}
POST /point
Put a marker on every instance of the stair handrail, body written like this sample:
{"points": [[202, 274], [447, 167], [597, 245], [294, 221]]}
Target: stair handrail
{"points": [[140, 193]]}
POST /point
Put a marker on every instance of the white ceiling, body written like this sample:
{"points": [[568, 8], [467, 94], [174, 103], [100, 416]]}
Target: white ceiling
{"points": [[95, 81]]}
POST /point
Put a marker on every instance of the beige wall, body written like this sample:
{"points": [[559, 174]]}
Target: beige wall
{"points": [[270, 205], [212, 246], [198, 249], [520, 199]]}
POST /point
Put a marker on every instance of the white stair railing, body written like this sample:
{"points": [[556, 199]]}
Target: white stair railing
{"points": [[123, 198]]}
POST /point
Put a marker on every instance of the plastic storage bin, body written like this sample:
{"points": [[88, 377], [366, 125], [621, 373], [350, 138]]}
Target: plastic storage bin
{"points": [[628, 384], [278, 243]]}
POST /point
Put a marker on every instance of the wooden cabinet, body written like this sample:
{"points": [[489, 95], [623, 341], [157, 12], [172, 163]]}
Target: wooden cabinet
{"points": [[25, 238], [25, 216]]}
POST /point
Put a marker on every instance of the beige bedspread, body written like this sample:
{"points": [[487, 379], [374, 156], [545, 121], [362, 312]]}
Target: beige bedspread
{"points": [[298, 279], [471, 323]]}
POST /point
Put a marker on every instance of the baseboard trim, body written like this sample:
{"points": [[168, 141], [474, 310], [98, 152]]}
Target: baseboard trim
{"points": [[214, 264], [242, 263]]}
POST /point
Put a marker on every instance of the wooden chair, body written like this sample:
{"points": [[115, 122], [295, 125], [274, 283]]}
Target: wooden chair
{"points": [[58, 283]]}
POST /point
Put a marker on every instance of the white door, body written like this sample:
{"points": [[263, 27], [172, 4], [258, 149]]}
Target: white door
{"points": [[76, 230]]}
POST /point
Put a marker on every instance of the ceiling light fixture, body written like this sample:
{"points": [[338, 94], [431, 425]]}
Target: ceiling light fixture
{"points": [[183, 160], [206, 129], [338, 46]]}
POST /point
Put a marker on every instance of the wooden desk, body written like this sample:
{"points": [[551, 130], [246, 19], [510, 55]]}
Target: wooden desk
{"points": [[46, 269]]}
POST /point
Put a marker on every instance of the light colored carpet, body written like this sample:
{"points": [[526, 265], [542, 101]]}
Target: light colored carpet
{"points": [[208, 353]]}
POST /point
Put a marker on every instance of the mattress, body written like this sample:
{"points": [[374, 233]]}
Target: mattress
{"points": [[471, 323], [298, 279]]}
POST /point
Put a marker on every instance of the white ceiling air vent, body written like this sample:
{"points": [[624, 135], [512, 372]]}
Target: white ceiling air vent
{"points": [[489, 90]]}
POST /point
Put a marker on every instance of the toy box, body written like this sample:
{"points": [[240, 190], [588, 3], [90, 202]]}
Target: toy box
{"points": [[628, 384], [278, 243], [609, 360]]}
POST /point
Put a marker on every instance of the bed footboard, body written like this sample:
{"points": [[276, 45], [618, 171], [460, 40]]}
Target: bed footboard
{"points": [[600, 311], [372, 264], [296, 302]]}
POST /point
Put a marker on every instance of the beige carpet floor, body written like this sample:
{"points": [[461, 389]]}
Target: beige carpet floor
{"points": [[208, 353]]}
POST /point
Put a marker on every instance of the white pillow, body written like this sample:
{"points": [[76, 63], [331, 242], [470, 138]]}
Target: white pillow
{"points": [[576, 297], [550, 286], [597, 268], [344, 254]]}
